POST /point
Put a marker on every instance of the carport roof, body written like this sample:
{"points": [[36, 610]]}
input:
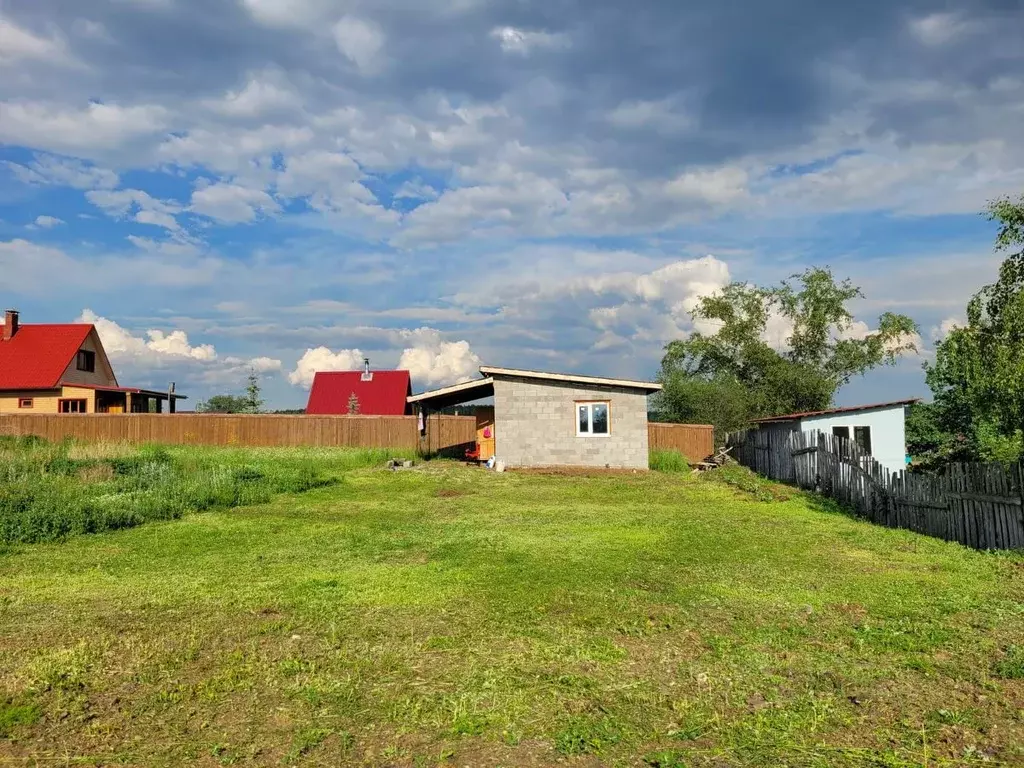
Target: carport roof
{"points": [[456, 394]]}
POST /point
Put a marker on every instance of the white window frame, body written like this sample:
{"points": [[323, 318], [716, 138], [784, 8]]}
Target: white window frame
{"points": [[589, 405]]}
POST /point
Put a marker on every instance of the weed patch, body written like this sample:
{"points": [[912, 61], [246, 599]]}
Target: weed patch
{"points": [[12, 715]]}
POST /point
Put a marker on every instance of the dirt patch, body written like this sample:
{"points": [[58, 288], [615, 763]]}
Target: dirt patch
{"points": [[451, 493]]}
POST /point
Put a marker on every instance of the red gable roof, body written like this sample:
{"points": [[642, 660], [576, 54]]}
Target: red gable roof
{"points": [[38, 355], [383, 395]]}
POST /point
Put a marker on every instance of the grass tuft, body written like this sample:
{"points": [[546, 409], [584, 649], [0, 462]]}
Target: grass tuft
{"points": [[1011, 665], [587, 735], [669, 461], [13, 715]]}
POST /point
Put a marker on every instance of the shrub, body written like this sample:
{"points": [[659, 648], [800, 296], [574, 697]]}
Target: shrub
{"points": [[669, 461]]}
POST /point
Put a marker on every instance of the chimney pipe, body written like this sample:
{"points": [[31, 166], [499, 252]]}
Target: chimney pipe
{"points": [[367, 375], [11, 317]]}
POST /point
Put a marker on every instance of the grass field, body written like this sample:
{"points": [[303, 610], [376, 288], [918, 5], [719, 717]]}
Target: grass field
{"points": [[445, 615]]}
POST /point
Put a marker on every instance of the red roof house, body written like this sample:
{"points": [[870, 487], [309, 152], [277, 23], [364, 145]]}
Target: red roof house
{"points": [[376, 393], [63, 368]]}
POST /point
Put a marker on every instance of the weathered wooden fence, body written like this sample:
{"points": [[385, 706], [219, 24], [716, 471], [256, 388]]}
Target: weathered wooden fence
{"points": [[444, 433], [979, 505], [695, 441]]}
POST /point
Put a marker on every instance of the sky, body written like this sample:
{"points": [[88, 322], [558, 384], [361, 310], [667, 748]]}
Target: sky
{"points": [[292, 185]]}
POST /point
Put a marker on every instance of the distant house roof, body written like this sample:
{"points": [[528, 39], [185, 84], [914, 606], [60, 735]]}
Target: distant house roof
{"points": [[572, 378], [38, 354], [384, 394], [831, 411]]}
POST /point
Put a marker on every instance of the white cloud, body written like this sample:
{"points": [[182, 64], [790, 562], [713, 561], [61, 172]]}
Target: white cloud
{"points": [[522, 41], [323, 359], [329, 179], [662, 116], [944, 328], [232, 203], [718, 186], [415, 189], [63, 171], [60, 128], [172, 353], [157, 219], [859, 330], [31, 268], [287, 13], [440, 363], [47, 222], [17, 44], [361, 41], [264, 93], [120, 343], [148, 210], [937, 28]]}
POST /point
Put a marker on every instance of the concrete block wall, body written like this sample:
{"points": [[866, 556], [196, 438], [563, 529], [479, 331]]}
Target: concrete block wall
{"points": [[535, 425]]}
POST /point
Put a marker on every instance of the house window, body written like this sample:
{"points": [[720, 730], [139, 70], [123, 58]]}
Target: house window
{"points": [[86, 361], [592, 419], [26, 402], [862, 437], [843, 432], [71, 406]]}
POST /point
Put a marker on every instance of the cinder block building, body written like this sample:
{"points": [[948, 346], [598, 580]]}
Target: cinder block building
{"points": [[544, 419]]}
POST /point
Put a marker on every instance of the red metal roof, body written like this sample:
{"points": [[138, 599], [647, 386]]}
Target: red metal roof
{"points": [[38, 355], [830, 411], [383, 395]]}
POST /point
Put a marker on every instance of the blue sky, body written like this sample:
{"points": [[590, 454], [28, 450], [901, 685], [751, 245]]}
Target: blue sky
{"points": [[293, 184]]}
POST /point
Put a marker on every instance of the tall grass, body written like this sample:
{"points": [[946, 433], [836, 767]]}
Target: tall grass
{"points": [[669, 461], [51, 491]]}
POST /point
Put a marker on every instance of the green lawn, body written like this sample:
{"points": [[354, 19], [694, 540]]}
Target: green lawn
{"points": [[447, 615]]}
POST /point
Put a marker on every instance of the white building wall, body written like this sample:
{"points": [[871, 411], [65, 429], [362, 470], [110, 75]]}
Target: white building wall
{"points": [[888, 432]]}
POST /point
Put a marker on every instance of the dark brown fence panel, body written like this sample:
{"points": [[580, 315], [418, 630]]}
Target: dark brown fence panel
{"points": [[399, 432], [450, 436], [978, 505], [695, 441]]}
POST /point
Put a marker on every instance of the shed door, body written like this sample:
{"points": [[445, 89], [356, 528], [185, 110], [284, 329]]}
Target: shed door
{"points": [[485, 432]]}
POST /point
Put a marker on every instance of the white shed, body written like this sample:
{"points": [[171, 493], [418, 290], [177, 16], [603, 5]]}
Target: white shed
{"points": [[878, 429]]}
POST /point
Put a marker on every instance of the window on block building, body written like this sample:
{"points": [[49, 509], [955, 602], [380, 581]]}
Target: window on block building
{"points": [[26, 402], [593, 419]]}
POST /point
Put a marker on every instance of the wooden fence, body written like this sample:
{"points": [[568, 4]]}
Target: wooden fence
{"points": [[979, 505], [695, 441], [445, 434]]}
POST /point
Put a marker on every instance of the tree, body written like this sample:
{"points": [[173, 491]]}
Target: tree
{"points": [[222, 404], [353, 404], [977, 379], [733, 374], [253, 402]]}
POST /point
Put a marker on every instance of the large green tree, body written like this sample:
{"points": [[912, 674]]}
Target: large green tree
{"points": [[977, 379], [731, 372]]}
